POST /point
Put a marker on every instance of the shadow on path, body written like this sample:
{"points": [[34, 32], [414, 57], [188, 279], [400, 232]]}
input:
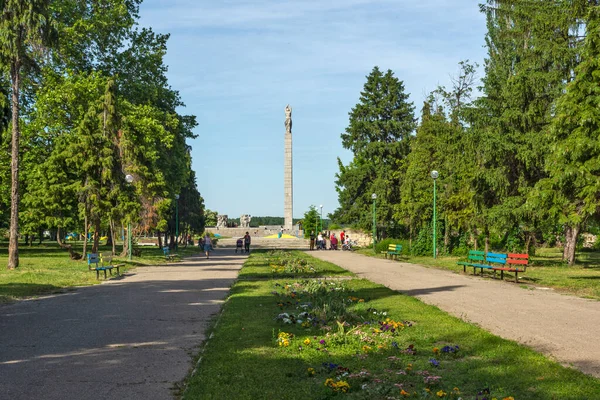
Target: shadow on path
{"points": [[125, 339]]}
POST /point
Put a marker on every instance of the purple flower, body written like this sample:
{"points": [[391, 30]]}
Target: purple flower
{"points": [[322, 341], [434, 362]]}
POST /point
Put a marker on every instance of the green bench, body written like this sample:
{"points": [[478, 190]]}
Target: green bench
{"points": [[394, 250], [476, 258], [503, 262]]}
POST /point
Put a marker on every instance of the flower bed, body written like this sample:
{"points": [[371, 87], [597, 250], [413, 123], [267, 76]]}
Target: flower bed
{"points": [[293, 336]]}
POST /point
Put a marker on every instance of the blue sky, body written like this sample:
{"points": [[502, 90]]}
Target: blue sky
{"points": [[237, 63]]}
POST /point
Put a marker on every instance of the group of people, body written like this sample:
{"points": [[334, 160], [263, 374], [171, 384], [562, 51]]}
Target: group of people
{"points": [[320, 240]]}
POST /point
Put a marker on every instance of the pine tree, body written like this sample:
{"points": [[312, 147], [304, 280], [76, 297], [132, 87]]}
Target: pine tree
{"points": [[572, 189], [379, 135]]}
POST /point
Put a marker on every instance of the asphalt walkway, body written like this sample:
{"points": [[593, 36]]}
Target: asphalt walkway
{"points": [[560, 326], [130, 338]]}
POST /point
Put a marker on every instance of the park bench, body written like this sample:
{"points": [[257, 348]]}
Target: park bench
{"points": [[96, 264], [168, 255], [394, 250], [514, 263], [476, 258]]}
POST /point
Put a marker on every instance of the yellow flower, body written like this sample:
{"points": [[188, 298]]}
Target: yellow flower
{"points": [[436, 350], [441, 393], [307, 341], [404, 393], [286, 343], [509, 398], [329, 382], [428, 390], [361, 300], [409, 367], [457, 391], [366, 348], [311, 371], [342, 386]]}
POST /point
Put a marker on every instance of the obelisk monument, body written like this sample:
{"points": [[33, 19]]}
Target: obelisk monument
{"points": [[288, 193]]}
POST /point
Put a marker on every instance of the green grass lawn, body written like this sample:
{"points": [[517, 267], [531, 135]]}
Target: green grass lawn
{"points": [[47, 269], [303, 336], [545, 269]]}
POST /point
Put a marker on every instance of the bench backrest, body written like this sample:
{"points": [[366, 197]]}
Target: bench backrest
{"points": [[106, 259], [92, 258], [166, 250], [395, 247], [496, 258], [518, 259], [476, 255]]}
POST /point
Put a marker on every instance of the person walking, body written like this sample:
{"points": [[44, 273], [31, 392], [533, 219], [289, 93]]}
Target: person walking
{"points": [[312, 240], [247, 241], [207, 244], [342, 236]]}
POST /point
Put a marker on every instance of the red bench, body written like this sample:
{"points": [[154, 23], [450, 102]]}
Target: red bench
{"points": [[514, 263]]}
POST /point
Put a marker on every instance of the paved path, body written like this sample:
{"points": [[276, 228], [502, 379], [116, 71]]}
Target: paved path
{"points": [[131, 338], [563, 327]]}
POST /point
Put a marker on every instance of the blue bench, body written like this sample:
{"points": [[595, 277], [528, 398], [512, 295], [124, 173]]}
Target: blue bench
{"points": [[98, 263], [168, 255]]}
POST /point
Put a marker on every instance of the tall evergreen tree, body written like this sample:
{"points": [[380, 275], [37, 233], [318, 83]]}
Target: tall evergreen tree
{"points": [[572, 190], [533, 47], [379, 135]]}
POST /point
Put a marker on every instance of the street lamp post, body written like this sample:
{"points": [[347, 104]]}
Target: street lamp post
{"points": [[374, 197], [129, 179], [176, 220], [434, 175], [321, 206]]}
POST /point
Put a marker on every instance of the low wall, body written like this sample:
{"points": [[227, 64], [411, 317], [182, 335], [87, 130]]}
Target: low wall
{"points": [[254, 232]]}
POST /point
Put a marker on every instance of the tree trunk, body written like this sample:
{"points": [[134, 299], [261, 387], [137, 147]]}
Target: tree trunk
{"points": [[527, 242], [446, 236], [96, 244], [160, 244], [58, 238], [13, 246], [571, 235], [487, 240], [85, 232]]}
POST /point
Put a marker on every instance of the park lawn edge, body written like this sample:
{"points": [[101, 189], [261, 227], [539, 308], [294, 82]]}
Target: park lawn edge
{"points": [[241, 359], [47, 270]]}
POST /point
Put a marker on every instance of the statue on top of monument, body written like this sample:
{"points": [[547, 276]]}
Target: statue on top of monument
{"points": [[288, 119]]}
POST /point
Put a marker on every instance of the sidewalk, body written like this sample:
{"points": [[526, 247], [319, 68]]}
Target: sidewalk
{"points": [[130, 338], [560, 326]]}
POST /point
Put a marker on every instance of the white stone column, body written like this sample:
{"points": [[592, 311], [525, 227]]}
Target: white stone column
{"points": [[288, 209]]}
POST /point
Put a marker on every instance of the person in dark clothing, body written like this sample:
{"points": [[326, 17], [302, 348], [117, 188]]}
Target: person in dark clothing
{"points": [[312, 240], [247, 241]]}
